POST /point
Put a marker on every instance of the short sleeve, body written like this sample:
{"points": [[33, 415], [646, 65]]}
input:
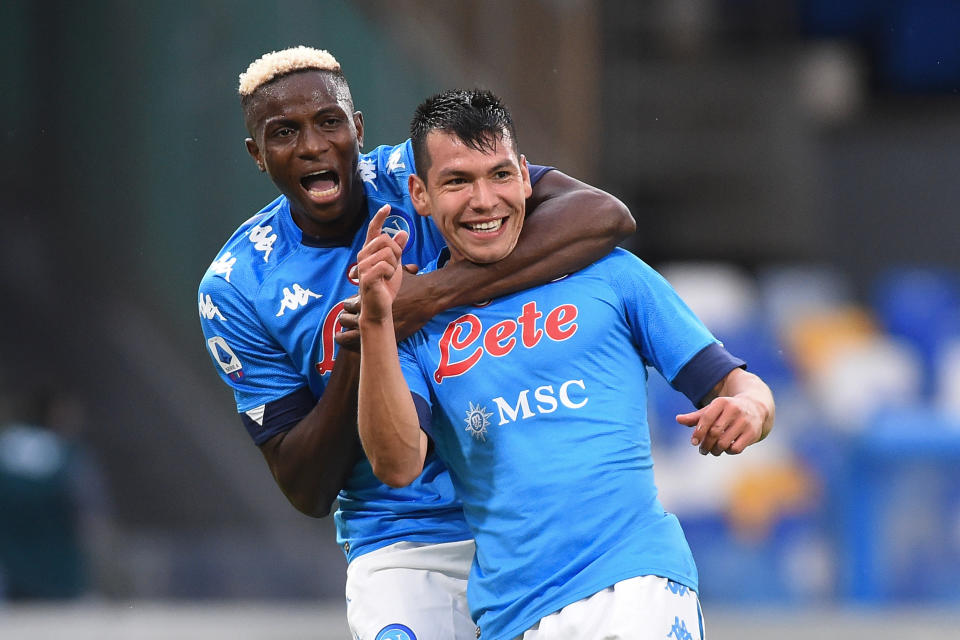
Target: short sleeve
{"points": [[416, 379], [668, 333], [245, 355], [537, 171]]}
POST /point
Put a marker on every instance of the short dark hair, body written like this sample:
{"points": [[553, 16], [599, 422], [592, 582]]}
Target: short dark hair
{"points": [[476, 116]]}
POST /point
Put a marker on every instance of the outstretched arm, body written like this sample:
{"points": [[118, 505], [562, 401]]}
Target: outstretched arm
{"points": [[569, 225], [387, 419], [738, 412]]}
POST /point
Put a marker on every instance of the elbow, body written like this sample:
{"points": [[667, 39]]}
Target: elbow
{"points": [[394, 476], [313, 505], [622, 223], [614, 216]]}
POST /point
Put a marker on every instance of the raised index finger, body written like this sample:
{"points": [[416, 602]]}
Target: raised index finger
{"points": [[375, 227]]}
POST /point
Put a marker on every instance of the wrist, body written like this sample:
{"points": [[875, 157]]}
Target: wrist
{"points": [[371, 320]]}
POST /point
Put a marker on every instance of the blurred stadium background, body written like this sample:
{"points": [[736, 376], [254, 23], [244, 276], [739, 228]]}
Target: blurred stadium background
{"points": [[793, 169]]}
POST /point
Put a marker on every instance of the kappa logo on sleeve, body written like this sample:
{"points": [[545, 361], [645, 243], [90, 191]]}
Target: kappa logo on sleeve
{"points": [[396, 631], [208, 309], [368, 172], [394, 163], [263, 239], [223, 265]]}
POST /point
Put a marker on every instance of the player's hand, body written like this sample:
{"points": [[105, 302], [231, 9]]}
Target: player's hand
{"points": [[349, 335], [378, 268], [729, 424]]}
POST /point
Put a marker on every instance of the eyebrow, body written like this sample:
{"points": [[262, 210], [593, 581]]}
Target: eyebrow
{"points": [[283, 118], [506, 164]]}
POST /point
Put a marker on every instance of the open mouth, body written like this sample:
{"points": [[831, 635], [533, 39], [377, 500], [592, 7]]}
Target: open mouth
{"points": [[322, 184], [490, 226]]}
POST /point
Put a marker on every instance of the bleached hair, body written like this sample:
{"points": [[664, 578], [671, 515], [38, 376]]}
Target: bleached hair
{"points": [[280, 63]]}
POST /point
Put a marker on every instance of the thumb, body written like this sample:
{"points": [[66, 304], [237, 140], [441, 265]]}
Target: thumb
{"points": [[689, 419], [411, 268]]}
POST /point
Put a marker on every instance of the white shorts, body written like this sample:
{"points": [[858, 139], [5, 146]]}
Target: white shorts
{"points": [[642, 608], [411, 591]]}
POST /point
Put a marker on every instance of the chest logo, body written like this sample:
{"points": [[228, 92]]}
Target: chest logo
{"points": [[296, 298], [478, 419], [394, 224], [464, 342]]}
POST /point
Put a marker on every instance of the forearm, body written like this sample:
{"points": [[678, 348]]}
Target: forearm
{"points": [[312, 461], [387, 419], [569, 225]]}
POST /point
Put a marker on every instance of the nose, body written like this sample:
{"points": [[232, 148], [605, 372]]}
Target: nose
{"points": [[312, 143], [483, 197]]}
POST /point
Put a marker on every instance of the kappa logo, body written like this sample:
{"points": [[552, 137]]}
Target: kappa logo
{"points": [[396, 631], [225, 357], [394, 163], [223, 266], [262, 240], [368, 172], [394, 224], [459, 351], [296, 298], [209, 310]]}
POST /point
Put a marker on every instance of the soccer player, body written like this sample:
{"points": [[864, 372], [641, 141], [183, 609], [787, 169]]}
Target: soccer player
{"points": [[270, 307], [535, 402]]}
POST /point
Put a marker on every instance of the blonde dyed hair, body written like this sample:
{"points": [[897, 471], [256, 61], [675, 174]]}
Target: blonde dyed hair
{"points": [[280, 63]]}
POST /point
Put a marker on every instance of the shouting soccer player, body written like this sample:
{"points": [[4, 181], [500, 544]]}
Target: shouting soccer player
{"points": [[270, 306], [535, 402]]}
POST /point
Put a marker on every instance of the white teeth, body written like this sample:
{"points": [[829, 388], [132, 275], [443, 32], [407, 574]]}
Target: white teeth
{"points": [[492, 225], [325, 192]]}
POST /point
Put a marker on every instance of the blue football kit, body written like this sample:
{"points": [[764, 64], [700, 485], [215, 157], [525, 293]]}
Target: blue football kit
{"points": [[536, 403], [269, 306]]}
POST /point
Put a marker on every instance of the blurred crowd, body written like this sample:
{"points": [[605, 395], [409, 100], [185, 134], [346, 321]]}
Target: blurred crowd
{"points": [[851, 496]]}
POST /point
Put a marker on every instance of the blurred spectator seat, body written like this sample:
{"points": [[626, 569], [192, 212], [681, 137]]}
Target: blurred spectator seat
{"points": [[921, 306], [901, 509], [790, 293], [948, 378], [722, 295]]}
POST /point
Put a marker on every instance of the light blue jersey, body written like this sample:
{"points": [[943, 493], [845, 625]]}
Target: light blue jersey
{"points": [[537, 404], [269, 305]]}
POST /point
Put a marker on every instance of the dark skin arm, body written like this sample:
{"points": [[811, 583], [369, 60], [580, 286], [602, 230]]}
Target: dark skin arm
{"points": [[569, 225], [574, 224], [312, 461]]}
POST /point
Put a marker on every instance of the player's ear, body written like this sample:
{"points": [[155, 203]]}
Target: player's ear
{"points": [[418, 195], [525, 174], [358, 123], [254, 152]]}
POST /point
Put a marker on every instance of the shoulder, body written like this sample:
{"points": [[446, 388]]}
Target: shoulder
{"points": [[254, 250], [385, 171]]}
